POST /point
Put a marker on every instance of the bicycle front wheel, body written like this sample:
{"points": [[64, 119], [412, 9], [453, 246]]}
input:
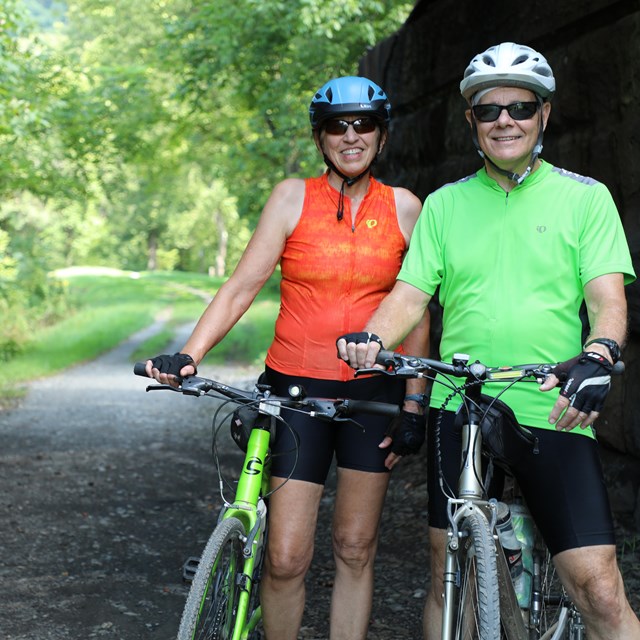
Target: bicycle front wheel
{"points": [[212, 604], [478, 606]]}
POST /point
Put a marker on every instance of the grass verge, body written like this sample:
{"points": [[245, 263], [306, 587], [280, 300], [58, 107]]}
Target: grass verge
{"points": [[110, 305]]}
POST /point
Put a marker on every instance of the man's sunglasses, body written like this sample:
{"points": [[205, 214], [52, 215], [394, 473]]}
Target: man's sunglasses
{"points": [[516, 110], [339, 127]]}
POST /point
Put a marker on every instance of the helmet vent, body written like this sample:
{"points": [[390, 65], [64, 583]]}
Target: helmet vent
{"points": [[329, 95], [509, 64]]}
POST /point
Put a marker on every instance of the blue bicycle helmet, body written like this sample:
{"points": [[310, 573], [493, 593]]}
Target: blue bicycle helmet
{"points": [[351, 95]]}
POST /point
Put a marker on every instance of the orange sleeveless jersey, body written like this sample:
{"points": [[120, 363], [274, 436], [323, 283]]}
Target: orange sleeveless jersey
{"points": [[333, 277]]}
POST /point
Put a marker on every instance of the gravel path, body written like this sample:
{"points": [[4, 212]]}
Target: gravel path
{"points": [[106, 490]]}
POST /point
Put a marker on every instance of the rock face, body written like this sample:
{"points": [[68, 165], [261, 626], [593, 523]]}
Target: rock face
{"points": [[594, 50]]}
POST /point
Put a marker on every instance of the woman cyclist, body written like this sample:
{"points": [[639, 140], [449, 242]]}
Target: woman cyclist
{"points": [[339, 239]]}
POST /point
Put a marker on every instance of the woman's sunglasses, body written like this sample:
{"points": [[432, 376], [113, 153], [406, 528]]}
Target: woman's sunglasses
{"points": [[516, 110], [339, 127]]}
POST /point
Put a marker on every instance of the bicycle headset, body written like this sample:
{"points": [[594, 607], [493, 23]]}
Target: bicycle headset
{"points": [[349, 95], [508, 65]]}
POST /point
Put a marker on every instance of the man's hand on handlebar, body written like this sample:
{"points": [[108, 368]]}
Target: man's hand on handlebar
{"points": [[585, 381], [170, 369], [359, 350]]}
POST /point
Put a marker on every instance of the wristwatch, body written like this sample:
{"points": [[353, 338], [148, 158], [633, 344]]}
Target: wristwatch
{"points": [[612, 345], [421, 398]]}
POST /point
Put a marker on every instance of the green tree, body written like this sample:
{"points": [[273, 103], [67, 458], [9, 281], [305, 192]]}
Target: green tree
{"points": [[249, 70]]}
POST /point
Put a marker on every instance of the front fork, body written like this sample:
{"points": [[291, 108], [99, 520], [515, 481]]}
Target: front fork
{"points": [[470, 498], [459, 509]]}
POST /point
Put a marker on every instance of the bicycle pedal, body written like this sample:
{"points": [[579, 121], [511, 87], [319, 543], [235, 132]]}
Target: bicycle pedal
{"points": [[189, 568]]}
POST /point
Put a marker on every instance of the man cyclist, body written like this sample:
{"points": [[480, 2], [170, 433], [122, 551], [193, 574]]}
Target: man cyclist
{"points": [[516, 250]]}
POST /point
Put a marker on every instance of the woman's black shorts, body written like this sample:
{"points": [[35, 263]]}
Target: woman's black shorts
{"points": [[563, 484], [354, 447]]}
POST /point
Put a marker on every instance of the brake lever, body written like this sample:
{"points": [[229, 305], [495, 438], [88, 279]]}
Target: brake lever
{"points": [[376, 370], [162, 387], [338, 418]]}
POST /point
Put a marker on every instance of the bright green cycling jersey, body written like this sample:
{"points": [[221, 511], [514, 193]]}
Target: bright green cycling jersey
{"points": [[511, 268]]}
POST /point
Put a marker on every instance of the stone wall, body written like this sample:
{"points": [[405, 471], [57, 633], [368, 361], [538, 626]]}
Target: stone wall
{"points": [[593, 47]]}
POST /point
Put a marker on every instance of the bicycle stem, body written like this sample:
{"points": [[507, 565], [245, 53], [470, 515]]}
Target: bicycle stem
{"points": [[469, 485]]}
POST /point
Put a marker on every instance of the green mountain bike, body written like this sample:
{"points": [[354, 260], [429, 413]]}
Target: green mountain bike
{"points": [[223, 602]]}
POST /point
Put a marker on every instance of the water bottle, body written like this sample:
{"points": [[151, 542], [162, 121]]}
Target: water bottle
{"points": [[514, 552], [523, 527]]}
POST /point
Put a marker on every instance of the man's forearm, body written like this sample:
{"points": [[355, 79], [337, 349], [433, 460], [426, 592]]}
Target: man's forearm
{"points": [[402, 311]]}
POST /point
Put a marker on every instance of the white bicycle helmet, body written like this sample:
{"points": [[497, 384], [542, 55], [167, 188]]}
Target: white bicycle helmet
{"points": [[509, 65]]}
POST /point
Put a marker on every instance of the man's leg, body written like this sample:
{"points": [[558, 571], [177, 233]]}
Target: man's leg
{"points": [[359, 500], [593, 580], [293, 514]]}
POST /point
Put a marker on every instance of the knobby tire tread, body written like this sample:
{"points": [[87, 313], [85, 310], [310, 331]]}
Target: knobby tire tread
{"points": [[478, 607], [206, 613]]}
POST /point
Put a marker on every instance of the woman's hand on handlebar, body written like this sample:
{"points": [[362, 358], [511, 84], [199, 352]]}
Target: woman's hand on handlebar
{"points": [[359, 350], [170, 369]]}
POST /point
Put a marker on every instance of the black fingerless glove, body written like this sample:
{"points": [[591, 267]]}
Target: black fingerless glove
{"points": [[586, 380], [173, 364], [408, 432], [361, 336]]}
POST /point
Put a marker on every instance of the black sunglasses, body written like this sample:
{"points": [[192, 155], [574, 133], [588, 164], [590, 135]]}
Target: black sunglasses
{"points": [[339, 127], [516, 110]]}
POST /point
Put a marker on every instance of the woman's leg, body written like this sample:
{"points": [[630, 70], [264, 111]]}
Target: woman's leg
{"points": [[432, 620], [293, 514], [359, 500]]}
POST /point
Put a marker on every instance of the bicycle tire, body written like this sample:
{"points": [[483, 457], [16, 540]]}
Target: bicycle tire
{"points": [[478, 604], [211, 608]]}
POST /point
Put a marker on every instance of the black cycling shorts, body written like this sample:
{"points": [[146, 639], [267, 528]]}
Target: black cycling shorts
{"points": [[563, 485], [318, 440]]}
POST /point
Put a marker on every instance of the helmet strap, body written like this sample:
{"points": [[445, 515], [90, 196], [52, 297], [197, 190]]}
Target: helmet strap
{"points": [[346, 180]]}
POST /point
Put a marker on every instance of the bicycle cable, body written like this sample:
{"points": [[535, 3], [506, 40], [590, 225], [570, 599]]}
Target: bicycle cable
{"points": [[217, 424]]}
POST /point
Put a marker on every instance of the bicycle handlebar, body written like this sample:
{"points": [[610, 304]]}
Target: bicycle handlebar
{"points": [[406, 366], [322, 408]]}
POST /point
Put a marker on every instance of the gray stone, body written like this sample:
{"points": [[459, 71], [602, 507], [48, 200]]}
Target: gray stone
{"points": [[594, 50]]}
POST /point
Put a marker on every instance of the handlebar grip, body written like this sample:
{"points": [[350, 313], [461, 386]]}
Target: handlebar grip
{"points": [[618, 368], [385, 356], [139, 368], [372, 407]]}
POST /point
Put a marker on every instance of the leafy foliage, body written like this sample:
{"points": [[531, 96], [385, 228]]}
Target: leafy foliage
{"points": [[255, 65], [147, 134]]}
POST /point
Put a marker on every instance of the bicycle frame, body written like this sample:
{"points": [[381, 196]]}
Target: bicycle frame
{"points": [[249, 507], [471, 498], [485, 587], [228, 570]]}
